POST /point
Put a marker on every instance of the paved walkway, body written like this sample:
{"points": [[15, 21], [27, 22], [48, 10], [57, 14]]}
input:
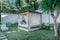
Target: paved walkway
{"points": [[2, 36], [12, 31]]}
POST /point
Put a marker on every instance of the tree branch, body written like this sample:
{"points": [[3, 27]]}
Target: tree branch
{"points": [[52, 15], [57, 15]]}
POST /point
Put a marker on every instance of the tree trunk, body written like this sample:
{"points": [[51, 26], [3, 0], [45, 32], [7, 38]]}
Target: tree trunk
{"points": [[55, 28], [55, 23]]}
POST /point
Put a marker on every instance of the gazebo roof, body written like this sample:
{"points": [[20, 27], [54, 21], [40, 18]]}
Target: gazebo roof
{"points": [[22, 11]]}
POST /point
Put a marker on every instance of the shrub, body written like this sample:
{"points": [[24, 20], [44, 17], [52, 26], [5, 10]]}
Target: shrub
{"points": [[50, 26], [46, 26], [12, 24], [59, 25], [9, 24], [15, 24], [29, 7], [43, 26]]}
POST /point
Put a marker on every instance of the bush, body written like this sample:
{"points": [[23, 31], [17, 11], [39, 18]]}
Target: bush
{"points": [[27, 8], [59, 25], [12, 24], [15, 24], [9, 24], [46, 26], [43, 26], [51, 26]]}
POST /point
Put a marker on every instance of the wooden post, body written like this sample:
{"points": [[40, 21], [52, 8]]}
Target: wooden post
{"points": [[40, 18], [18, 19], [28, 23]]}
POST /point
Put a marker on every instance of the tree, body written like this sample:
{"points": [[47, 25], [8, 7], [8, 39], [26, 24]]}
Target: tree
{"points": [[18, 4], [33, 4], [5, 6], [0, 17], [50, 6], [0, 12]]}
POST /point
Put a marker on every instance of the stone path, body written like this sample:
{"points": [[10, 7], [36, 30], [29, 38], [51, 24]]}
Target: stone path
{"points": [[2, 36], [12, 31]]}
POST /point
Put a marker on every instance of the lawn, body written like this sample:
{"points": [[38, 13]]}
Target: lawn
{"points": [[23, 35], [12, 27], [35, 35]]}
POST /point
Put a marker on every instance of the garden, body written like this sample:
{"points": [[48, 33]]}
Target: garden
{"points": [[44, 33]]}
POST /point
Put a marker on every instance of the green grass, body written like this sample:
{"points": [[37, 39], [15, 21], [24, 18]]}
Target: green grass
{"points": [[16, 35], [35, 35], [41, 35], [23, 35], [13, 28]]}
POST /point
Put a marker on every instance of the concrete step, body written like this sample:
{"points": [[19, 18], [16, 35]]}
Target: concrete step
{"points": [[2, 37], [1, 33]]}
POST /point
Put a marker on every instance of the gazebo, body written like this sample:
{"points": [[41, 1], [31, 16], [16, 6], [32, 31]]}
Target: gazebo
{"points": [[29, 20]]}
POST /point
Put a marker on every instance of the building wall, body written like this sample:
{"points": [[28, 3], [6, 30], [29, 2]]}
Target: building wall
{"points": [[10, 18], [14, 18], [46, 18]]}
